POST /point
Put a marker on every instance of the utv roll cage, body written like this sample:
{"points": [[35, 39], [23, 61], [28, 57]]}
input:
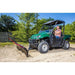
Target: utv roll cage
{"points": [[56, 22]]}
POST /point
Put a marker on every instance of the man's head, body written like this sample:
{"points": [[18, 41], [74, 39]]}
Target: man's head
{"points": [[57, 27]]}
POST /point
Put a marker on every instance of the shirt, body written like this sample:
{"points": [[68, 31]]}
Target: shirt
{"points": [[58, 32]]}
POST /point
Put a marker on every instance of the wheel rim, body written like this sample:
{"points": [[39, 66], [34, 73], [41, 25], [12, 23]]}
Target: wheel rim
{"points": [[67, 45], [44, 47]]}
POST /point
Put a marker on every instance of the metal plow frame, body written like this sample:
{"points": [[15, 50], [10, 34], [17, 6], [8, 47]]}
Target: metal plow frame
{"points": [[20, 47]]}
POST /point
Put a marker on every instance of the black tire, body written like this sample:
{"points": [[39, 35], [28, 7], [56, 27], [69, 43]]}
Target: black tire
{"points": [[66, 45], [43, 47]]}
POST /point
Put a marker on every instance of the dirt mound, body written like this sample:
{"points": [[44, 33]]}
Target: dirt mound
{"points": [[11, 53]]}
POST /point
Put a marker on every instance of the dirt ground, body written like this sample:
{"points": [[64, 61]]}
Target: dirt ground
{"points": [[11, 54]]}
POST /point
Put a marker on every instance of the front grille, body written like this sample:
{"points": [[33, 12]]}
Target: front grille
{"points": [[32, 41]]}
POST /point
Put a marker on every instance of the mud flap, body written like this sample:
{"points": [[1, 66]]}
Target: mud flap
{"points": [[23, 49]]}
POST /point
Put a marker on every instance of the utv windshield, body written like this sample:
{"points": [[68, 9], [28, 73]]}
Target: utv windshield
{"points": [[46, 28]]}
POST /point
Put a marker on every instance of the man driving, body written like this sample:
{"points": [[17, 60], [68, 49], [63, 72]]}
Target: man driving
{"points": [[58, 32]]}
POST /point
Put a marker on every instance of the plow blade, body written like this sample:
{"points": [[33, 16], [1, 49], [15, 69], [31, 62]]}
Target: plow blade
{"points": [[20, 47], [23, 49]]}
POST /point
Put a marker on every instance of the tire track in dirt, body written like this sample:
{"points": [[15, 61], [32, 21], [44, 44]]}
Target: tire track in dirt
{"points": [[55, 55]]}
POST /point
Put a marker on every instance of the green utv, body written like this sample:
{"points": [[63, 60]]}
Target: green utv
{"points": [[45, 39]]}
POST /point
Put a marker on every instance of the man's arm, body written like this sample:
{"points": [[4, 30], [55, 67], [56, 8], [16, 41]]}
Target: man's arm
{"points": [[58, 32]]}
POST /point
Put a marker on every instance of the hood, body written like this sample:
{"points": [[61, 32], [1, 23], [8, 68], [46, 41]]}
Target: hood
{"points": [[40, 35]]}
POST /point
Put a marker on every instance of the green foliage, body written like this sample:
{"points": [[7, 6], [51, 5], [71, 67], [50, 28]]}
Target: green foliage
{"points": [[39, 24], [7, 23], [70, 30], [24, 27], [28, 25], [19, 34]]}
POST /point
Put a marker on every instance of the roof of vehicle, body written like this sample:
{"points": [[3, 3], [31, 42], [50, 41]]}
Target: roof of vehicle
{"points": [[54, 22]]}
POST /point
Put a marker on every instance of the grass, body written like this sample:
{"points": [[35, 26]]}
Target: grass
{"points": [[5, 43], [72, 42], [2, 44]]}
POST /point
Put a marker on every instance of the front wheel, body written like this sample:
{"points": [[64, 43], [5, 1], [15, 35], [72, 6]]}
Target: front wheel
{"points": [[66, 45], [43, 47]]}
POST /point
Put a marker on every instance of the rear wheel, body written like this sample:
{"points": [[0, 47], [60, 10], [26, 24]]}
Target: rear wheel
{"points": [[43, 47], [66, 45]]}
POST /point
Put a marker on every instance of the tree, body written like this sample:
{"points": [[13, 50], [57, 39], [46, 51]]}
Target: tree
{"points": [[27, 20], [70, 30], [7, 23], [27, 25]]}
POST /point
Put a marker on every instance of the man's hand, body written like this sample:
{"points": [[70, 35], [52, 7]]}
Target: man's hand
{"points": [[58, 32]]}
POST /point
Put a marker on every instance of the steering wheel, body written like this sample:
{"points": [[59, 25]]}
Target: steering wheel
{"points": [[53, 32]]}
